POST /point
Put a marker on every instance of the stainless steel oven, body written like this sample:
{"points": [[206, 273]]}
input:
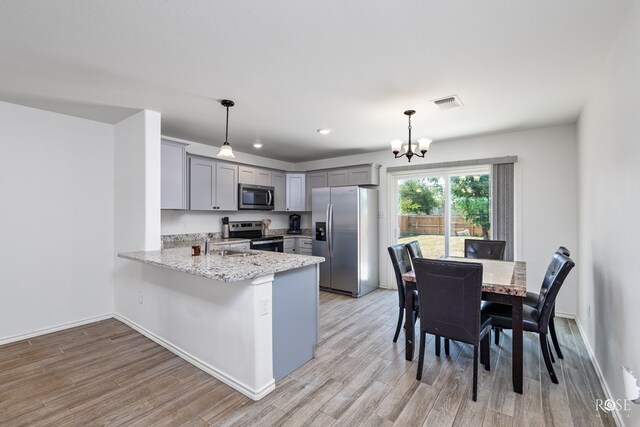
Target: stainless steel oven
{"points": [[273, 244], [253, 230], [255, 197]]}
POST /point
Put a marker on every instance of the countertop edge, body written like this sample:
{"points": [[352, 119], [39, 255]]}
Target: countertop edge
{"points": [[303, 261]]}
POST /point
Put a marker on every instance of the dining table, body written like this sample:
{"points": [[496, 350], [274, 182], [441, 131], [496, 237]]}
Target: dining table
{"points": [[503, 282]]}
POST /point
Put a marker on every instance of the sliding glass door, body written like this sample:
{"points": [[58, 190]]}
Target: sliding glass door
{"points": [[441, 210]]}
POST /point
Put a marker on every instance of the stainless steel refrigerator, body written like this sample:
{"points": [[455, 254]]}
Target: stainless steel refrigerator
{"points": [[345, 233]]}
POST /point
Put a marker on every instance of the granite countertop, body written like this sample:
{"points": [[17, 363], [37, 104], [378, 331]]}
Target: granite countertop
{"points": [[227, 268], [297, 236], [187, 240]]}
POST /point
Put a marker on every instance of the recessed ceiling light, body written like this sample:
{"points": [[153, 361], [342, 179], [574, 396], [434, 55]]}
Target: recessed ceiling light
{"points": [[324, 131], [257, 145]]}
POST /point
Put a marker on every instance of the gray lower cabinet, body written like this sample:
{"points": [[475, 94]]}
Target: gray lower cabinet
{"points": [[279, 183], [212, 185], [173, 172], [290, 246], [298, 245], [304, 245]]}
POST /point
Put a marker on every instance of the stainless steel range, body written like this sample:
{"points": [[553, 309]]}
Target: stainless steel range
{"points": [[253, 230]]}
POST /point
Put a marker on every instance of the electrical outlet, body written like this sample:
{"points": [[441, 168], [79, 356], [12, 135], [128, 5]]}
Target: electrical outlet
{"points": [[380, 214], [264, 306], [140, 297]]}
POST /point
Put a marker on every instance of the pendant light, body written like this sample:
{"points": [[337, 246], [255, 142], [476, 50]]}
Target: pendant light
{"points": [[225, 150], [397, 144]]}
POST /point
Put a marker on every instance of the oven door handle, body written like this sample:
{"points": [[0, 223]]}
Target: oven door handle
{"points": [[267, 242], [269, 198]]}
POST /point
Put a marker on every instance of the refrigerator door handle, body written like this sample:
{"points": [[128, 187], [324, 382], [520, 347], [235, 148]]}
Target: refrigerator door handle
{"points": [[330, 229]]}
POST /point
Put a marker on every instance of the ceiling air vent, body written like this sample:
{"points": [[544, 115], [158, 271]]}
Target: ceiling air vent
{"points": [[448, 103]]}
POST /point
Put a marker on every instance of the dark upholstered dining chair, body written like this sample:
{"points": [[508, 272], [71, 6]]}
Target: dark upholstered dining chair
{"points": [[536, 319], [401, 264], [485, 249], [532, 301], [414, 249], [450, 294]]}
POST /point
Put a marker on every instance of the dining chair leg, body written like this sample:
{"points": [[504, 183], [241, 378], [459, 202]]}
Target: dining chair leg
{"points": [[423, 338], [400, 317], [475, 373], [553, 360], [485, 351], [438, 345], [446, 346], [554, 337], [496, 332], [547, 359]]}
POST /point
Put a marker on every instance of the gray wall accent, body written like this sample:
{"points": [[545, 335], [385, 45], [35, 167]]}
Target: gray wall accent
{"points": [[295, 319], [455, 164], [502, 205]]}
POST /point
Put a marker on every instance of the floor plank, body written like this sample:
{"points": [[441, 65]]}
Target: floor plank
{"points": [[107, 373]]}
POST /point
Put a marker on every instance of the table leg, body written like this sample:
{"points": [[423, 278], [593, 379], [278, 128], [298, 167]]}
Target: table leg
{"points": [[516, 349], [409, 329]]}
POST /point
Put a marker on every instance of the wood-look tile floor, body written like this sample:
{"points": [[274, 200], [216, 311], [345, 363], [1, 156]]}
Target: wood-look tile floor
{"points": [[106, 373]]}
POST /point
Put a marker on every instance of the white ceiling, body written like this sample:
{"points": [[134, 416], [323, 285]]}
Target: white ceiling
{"points": [[293, 66]]}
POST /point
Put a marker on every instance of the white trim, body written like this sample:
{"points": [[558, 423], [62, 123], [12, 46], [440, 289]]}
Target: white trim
{"points": [[228, 380], [384, 286], [56, 328], [605, 387], [565, 315]]}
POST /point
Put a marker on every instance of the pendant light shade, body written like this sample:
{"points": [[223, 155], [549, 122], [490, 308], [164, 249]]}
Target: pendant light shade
{"points": [[225, 150]]}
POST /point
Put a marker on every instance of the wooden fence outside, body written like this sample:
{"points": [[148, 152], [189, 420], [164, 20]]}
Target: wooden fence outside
{"points": [[434, 225]]}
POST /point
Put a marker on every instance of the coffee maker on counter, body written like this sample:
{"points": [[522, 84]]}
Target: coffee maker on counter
{"points": [[294, 224]]}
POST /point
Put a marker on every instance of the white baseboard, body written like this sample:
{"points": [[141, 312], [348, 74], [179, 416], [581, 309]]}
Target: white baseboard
{"points": [[605, 387], [56, 328], [565, 315], [384, 286], [228, 380]]}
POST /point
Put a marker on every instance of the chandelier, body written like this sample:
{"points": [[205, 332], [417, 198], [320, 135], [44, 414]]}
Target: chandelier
{"points": [[422, 146]]}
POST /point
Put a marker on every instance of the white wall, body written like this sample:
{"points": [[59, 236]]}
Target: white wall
{"points": [[56, 220], [137, 202], [609, 152], [546, 188], [137, 182], [181, 222]]}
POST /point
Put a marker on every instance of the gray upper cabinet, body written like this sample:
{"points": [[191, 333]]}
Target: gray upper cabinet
{"points": [[173, 171], [201, 184], [246, 175], [212, 185], [226, 186], [263, 177], [296, 200], [314, 180], [338, 177], [365, 175], [279, 191], [254, 176]]}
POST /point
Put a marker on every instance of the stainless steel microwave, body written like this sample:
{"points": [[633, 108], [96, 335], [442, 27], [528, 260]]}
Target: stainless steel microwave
{"points": [[255, 197]]}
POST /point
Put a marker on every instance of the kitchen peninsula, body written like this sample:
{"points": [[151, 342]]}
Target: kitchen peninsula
{"points": [[246, 317]]}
